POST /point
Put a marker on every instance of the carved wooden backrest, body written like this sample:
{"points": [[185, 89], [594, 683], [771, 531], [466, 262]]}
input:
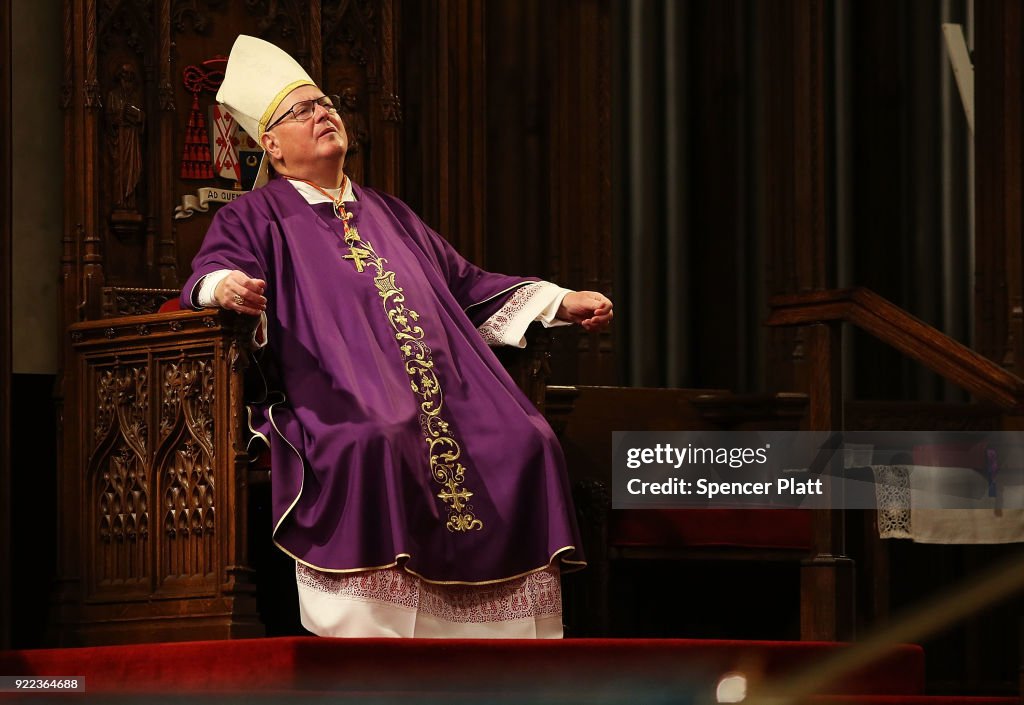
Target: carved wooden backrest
{"points": [[140, 80]]}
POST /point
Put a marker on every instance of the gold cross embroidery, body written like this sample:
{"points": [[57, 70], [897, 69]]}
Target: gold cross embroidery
{"points": [[455, 495], [357, 255]]}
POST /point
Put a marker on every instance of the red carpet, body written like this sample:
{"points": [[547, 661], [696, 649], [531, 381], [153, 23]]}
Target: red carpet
{"points": [[911, 700], [594, 671], [567, 670]]}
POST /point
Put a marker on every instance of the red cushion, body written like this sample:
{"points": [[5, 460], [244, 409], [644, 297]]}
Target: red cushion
{"points": [[170, 305], [740, 528]]}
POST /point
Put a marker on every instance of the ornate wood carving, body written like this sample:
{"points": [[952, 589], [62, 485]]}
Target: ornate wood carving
{"points": [[185, 464], [165, 92], [348, 22], [280, 18], [120, 58], [130, 21], [125, 123], [119, 301], [391, 106], [119, 470], [92, 84], [164, 468], [194, 15], [67, 86]]}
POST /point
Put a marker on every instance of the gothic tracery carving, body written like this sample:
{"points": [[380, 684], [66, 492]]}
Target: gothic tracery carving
{"points": [[187, 466], [188, 391], [129, 20], [120, 469], [281, 15], [351, 22], [192, 14]]}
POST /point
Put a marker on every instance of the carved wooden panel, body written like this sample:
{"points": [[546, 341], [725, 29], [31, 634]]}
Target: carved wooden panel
{"points": [[134, 301], [153, 481], [134, 120], [118, 473], [341, 43], [184, 463]]}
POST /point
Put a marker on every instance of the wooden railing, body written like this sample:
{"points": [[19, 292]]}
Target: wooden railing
{"points": [[913, 337]]}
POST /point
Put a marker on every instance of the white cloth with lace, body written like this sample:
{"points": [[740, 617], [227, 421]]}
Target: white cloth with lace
{"points": [[394, 603], [910, 502], [538, 301]]}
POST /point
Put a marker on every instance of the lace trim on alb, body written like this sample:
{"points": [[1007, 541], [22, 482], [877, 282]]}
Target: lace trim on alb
{"points": [[892, 496], [535, 595], [495, 328]]}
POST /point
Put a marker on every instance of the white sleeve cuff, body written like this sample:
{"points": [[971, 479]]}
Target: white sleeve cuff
{"points": [[549, 315], [204, 298], [538, 301], [207, 287]]}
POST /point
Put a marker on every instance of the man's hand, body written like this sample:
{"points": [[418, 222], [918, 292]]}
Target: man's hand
{"points": [[590, 309], [238, 292]]}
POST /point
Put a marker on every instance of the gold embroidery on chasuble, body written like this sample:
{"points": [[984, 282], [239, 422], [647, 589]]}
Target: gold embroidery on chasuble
{"points": [[444, 450]]}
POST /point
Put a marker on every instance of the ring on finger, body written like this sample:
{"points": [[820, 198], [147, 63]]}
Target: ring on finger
{"points": [[238, 299]]}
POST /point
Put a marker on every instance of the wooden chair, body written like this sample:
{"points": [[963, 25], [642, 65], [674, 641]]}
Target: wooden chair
{"points": [[585, 418]]}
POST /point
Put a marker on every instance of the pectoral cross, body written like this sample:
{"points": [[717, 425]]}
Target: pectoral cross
{"points": [[357, 255]]}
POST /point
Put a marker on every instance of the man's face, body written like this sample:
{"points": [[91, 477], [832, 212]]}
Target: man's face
{"points": [[301, 147]]}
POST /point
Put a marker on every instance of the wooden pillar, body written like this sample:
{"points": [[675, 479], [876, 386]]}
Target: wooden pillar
{"points": [[800, 258], [579, 165], [999, 180], [827, 605], [796, 169], [999, 159]]}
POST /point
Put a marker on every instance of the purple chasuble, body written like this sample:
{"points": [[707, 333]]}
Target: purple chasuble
{"points": [[396, 435]]}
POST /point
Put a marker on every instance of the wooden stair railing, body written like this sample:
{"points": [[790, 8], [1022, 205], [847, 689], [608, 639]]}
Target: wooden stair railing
{"points": [[821, 313], [913, 337]]}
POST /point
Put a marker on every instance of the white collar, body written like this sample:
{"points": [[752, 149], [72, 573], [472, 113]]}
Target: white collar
{"points": [[312, 195]]}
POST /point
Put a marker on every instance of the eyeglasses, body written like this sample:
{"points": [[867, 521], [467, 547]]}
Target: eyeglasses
{"points": [[304, 109]]}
